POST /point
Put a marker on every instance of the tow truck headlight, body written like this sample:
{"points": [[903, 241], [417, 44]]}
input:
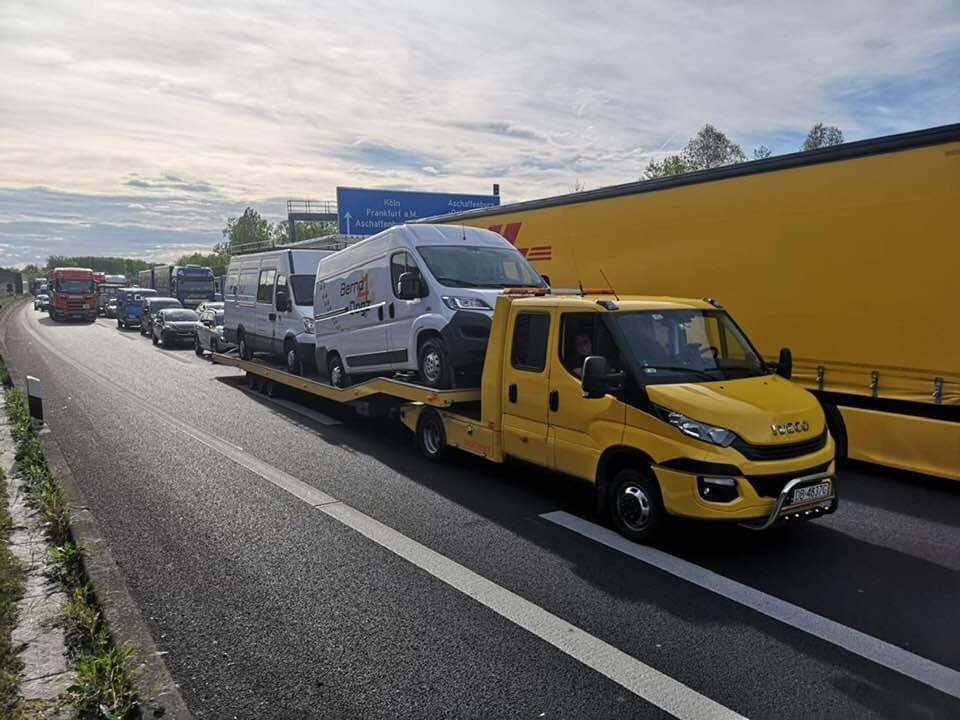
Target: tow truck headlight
{"points": [[696, 429], [308, 325], [465, 303]]}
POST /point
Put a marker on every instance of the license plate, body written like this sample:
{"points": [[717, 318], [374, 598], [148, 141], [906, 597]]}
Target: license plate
{"points": [[810, 492]]}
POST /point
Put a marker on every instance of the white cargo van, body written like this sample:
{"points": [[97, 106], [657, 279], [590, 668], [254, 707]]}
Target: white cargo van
{"points": [[414, 298], [268, 304]]}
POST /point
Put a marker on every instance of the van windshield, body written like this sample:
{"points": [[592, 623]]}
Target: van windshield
{"points": [[679, 346], [481, 267], [302, 289]]}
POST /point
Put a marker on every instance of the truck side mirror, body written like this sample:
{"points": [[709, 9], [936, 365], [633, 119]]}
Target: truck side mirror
{"points": [[409, 286], [596, 378], [785, 363]]}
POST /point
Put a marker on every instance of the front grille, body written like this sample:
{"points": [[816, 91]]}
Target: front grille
{"points": [[783, 451], [770, 486]]}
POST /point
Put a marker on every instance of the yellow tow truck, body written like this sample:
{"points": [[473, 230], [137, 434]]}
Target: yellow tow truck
{"points": [[662, 403]]}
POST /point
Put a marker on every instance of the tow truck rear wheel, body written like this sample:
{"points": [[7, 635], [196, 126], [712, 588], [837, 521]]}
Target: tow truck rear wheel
{"points": [[431, 437], [635, 505]]}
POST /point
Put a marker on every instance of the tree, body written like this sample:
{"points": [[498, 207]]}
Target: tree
{"points": [[100, 263], [246, 232], [709, 148], [821, 135], [306, 230], [215, 261], [762, 152]]}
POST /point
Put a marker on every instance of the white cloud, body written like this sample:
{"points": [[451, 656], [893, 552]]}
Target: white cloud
{"points": [[241, 100]]}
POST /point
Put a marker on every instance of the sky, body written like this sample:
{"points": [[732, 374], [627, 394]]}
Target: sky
{"points": [[136, 128]]}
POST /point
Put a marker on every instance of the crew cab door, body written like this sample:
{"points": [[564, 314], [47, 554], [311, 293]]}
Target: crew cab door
{"points": [[526, 377], [581, 428]]}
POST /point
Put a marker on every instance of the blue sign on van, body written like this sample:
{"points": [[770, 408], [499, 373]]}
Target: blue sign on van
{"points": [[367, 212]]}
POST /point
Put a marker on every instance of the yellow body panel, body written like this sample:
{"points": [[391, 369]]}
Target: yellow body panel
{"points": [[851, 263]]}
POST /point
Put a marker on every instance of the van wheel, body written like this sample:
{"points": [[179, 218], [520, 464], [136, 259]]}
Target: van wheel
{"points": [[245, 353], [431, 437], [434, 364], [336, 372], [292, 355], [635, 505]]}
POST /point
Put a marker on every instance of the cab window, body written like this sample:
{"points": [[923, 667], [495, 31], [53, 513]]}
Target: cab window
{"points": [[265, 289], [400, 263], [529, 349], [583, 335]]}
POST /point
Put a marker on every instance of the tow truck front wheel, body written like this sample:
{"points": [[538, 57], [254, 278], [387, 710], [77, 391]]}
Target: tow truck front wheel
{"points": [[431, 437], [635, 504]]}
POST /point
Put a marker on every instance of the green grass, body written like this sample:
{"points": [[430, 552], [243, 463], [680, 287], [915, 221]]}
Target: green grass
{"points": [[103, 687], [11, 590]]}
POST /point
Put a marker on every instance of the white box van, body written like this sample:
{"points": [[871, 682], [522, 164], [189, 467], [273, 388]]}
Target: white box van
{"points": [[268, 304], [414, 298]]}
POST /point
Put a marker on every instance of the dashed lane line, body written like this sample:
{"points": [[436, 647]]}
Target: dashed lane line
{"points": [[890, 656]]}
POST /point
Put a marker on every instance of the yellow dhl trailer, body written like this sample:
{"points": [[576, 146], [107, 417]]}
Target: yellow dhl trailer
{"points": [[849, 255], [662, 403]]}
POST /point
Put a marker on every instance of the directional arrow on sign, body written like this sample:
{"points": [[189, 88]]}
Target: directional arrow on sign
{"points": [[347, 216]]}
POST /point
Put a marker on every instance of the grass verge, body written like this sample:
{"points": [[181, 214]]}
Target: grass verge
{"points": [[103, 686], [11, 590]]}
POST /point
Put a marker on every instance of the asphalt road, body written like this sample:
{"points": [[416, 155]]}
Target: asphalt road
{"points": [[418, 590]]}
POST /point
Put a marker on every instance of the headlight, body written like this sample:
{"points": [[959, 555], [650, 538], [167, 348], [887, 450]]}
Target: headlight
{"points": [[308, 325], [465, 303], [696, 429]]}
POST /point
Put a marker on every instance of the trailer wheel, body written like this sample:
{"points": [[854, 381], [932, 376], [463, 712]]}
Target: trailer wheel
{"points": [[336, 372], [434, 364], [431, 437], [635, 505]]}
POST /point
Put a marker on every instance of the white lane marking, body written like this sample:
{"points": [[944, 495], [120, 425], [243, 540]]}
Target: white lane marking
{"points": [[639, 678], [293, 407], [895, 658]]}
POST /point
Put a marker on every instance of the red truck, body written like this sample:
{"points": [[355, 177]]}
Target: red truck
{"points": [[73, 294]]}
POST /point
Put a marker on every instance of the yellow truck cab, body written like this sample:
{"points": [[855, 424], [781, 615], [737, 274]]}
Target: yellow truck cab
{"points": [[662, 403]]}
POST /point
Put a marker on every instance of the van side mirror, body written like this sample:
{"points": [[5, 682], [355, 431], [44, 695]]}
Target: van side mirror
{"points": [[546, 279], [409, 286], [282, 300], [596, 378], [785, 363]]}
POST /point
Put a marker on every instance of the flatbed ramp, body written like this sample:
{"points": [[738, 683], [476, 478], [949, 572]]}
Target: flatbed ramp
{"points": [[367, 390]]}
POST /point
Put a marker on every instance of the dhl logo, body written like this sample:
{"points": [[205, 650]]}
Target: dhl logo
{"points": [[512, 231]]}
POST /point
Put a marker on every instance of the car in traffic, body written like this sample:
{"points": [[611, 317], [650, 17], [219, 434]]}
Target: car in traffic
{"points": [[41, 302], [110, 308], [209, 335], [153, 305], [174, 326]]}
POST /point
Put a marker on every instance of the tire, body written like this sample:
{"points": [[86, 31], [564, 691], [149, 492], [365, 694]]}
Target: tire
{"points": [[119, 325], [336, 372], [245, 352], [433, 364], [635, 505], [197, 347], [291, 354], [431, 436]]}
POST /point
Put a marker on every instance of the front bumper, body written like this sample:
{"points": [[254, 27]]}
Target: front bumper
{"points": [[466, 337]]}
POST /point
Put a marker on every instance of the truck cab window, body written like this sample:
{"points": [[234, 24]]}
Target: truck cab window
{"points": [[583, 335], [529, 348]]}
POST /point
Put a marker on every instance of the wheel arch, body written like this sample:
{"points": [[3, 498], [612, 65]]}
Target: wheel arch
{"points": [[613, 460]]}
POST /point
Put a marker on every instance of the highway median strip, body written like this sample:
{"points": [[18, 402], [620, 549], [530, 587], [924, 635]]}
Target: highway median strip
{"points": [[103, 684]]}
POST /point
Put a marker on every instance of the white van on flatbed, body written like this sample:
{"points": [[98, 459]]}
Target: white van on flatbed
{"points": [[415, 299], [268, 305]]}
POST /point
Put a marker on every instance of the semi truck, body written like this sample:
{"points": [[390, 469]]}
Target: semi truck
{"points": [[72, 294], [190, 284], [848, 254], [107, 287], [662, 404]]}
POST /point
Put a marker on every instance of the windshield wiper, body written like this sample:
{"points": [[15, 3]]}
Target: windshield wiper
{"points": [[680, 368]]}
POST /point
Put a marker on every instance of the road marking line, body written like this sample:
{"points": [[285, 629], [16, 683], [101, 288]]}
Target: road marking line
{"points": [[639, 678], [895, 658]]}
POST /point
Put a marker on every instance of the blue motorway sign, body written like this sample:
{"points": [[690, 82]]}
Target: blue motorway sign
{"points": [[367, 212]]}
